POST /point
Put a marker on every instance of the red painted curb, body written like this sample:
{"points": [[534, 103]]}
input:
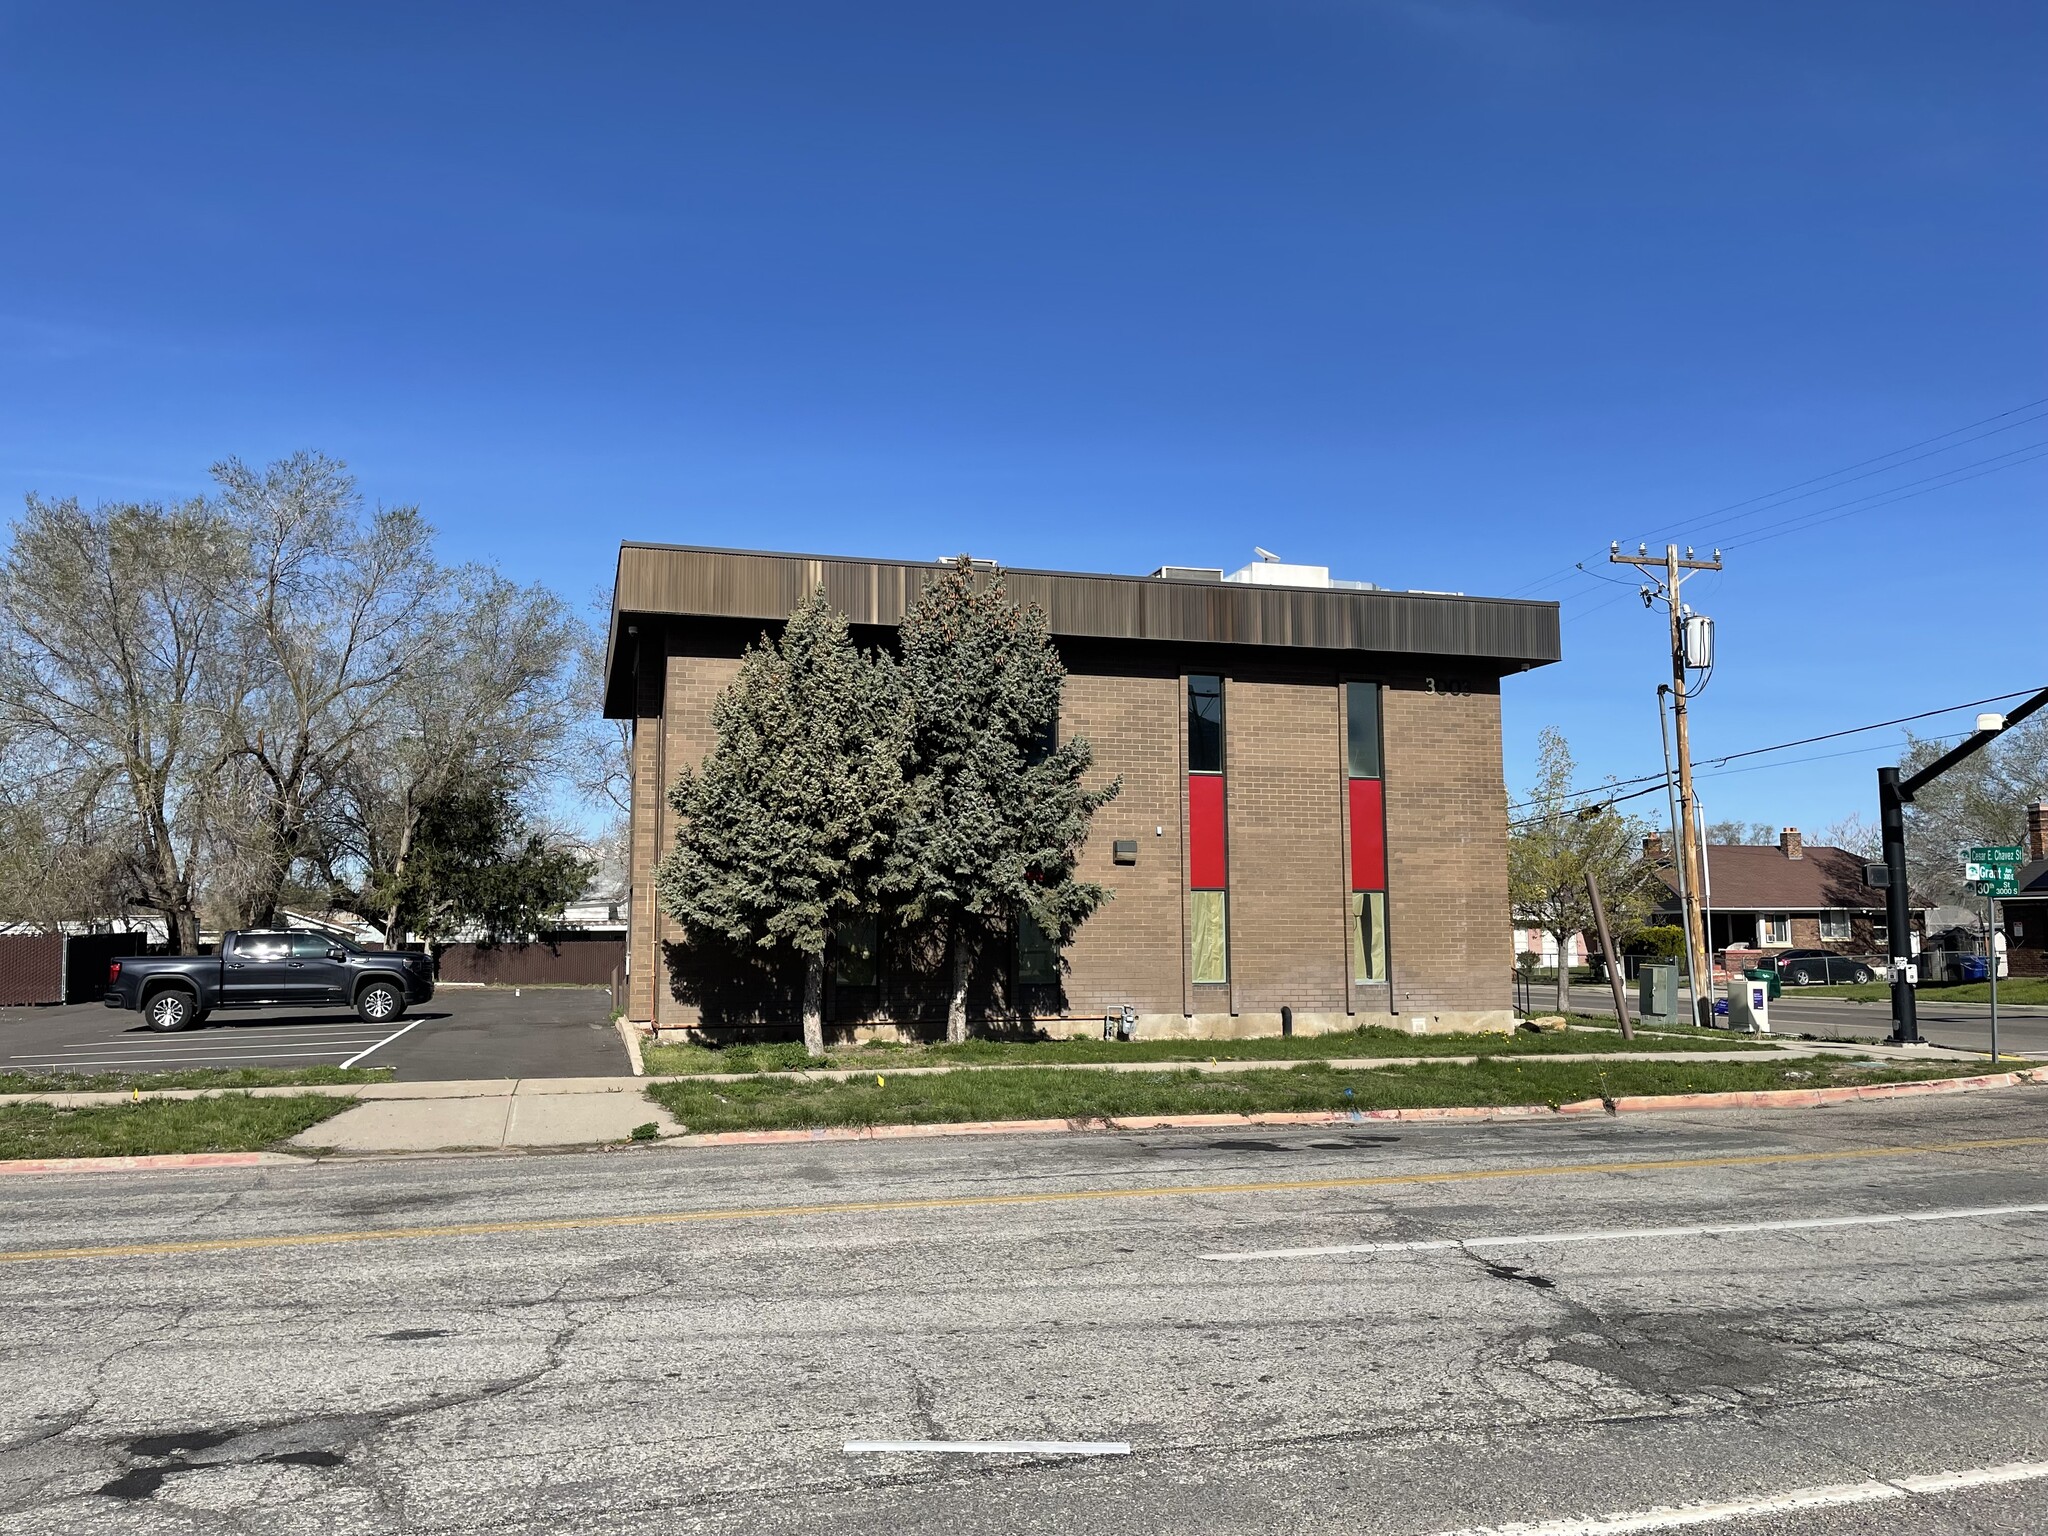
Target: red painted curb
{"points": [[133, 1164]]}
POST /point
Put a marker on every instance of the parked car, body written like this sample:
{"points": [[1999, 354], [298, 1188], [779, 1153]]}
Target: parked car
{"points": [[1815, 967], [266, 968]]}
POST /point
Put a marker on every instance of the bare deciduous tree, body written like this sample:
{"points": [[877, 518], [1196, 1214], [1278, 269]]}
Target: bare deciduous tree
{"points": [[110, 685]]}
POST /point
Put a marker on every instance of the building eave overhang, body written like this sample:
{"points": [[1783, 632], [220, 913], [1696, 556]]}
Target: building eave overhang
{"points": [[1485, 636]]}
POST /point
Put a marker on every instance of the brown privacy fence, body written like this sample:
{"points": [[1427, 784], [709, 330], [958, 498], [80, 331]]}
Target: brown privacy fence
{"points": [[37, 968], [577, 958]]}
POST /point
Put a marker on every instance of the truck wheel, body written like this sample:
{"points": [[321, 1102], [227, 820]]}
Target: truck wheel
{"points": [[379, 1003], [171, 1009]]}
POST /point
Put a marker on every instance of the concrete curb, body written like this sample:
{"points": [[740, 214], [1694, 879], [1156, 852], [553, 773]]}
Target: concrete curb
{"points": [[1793, 1098], [144, 1164], [1787, 1098]]}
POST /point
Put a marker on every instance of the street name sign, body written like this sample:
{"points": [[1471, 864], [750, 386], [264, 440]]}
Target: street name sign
{"points": [[1994, 869]]}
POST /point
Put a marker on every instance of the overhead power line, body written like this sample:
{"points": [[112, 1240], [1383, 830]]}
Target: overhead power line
{"points": [[1657, 779], [1819, 484]]}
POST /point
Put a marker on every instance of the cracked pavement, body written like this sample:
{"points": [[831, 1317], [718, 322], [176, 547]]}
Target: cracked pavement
{"points": [[705, 1376]]}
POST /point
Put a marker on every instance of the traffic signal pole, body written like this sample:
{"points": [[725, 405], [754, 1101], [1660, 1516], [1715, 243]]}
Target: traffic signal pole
{"points": [[1893, 796]]}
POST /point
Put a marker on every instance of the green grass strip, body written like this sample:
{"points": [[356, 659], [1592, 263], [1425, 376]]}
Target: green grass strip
{"points": [[233, 1123], [789, 1056], [2014, 989], [194, 1077], [783, 1103]]}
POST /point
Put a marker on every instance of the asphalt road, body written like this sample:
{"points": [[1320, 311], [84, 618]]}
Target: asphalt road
{"points": [[669, 1339], [463, 1033], [2023, 1030]]}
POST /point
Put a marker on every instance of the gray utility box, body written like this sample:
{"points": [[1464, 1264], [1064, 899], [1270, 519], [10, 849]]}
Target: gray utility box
{"points": [[1657, 992]]}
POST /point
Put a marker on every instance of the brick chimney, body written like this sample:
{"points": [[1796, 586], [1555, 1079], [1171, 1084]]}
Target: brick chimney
{"points": [[1653, 847], [2037, 830], [1789, 844]]}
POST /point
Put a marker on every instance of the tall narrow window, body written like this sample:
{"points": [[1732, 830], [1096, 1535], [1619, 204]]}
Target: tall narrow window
{"points": [[1209, 935], [1205, 725], [1208, 839], [854, 942], [1362, 729], [1368, 851], [1038, 958], [1368, 936]]}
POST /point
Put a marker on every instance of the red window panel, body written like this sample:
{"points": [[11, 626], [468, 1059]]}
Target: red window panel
{"points": [[1368, 837], [1208, 868]]}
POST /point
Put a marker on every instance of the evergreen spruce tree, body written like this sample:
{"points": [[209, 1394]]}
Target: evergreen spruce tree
{"points": [[993, 817], [784, 826]]}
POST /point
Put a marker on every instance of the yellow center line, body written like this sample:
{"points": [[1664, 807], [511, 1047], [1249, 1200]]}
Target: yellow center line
{"points": [[972, 1202]]}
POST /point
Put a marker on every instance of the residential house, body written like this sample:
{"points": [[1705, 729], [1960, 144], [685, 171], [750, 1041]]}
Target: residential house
{"points": [[1784, 895], [2025, 917]]}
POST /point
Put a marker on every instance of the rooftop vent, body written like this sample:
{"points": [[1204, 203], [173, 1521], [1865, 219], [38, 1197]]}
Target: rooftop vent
{"points": [[1189, 573]]}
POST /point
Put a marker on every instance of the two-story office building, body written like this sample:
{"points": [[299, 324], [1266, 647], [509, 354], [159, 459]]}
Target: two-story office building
{"points": [[1313, 815]]}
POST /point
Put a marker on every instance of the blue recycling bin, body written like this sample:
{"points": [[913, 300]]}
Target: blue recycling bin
{"points": [[1973, 968]]}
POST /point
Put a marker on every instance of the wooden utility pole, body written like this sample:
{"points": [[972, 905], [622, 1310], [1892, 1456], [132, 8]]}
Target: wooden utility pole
{"points": [[1609, 954], [1692, 858]]}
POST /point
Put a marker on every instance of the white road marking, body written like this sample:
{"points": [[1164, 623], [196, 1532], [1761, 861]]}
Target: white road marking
{"points": [[1627, 1234], [995, 1447], [214, 1043], [415, 1024], [202, 1057], [1678, 1516]]}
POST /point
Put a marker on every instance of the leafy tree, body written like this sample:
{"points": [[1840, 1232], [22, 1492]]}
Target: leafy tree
{"points": [[1557, 843], [784, 827], [994, 816], [1983, 799], [478, 866]]}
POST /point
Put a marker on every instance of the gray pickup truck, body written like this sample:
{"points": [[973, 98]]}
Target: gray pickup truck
{"points": [[269, 969]]}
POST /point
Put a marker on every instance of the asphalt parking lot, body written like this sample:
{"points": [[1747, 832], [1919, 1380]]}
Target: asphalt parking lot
{"points": [[489, 1032]]}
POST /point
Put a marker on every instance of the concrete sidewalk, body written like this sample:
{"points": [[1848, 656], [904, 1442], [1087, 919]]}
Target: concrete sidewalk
{"points": [[531, 1112]]}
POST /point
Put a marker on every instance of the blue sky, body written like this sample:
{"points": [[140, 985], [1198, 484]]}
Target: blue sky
{"points": [[1441, 294]]}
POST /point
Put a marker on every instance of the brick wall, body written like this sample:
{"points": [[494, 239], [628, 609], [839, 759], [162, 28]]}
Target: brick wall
{"points": [[1447, 849], [1130, 950], [1446, 839], [694, 684], [1289, 901]]}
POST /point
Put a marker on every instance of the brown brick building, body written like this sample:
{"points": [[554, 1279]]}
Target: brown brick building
{"points": [[1313, 814]]}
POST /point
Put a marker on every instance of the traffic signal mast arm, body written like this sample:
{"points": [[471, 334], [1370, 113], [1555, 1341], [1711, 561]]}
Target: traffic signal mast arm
{"points": [[1893, 796], [1934, 770]]}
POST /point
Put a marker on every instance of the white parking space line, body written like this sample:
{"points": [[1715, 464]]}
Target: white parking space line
{"points": [[1677, 1517], [223, 1042], [415, 1024], [992, 1447], [1628, 1234], [200, 1059]]}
